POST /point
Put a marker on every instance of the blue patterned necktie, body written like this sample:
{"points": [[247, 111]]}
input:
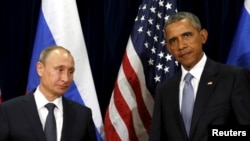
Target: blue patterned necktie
{"points": [[187, 102], [50, 123]]}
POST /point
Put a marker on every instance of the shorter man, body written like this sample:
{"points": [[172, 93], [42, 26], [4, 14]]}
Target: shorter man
{"points": [[24, 118]]}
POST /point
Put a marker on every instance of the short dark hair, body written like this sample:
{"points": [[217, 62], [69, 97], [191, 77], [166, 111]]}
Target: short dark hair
{"points": [[184, 15]]}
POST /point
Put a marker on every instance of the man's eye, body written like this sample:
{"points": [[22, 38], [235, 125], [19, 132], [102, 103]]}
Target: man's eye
{"points": [[71, 72], [171, 41], [188, 34], [59, 69]]}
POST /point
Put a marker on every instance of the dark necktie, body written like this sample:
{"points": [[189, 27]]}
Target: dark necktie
{"points": [[187, 102], [50, 123]]}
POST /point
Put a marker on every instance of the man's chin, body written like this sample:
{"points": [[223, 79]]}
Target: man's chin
{"points": [[61, 91]]}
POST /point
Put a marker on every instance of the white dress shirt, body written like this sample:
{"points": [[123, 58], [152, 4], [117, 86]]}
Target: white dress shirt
{"points": [[196, 71], [41, 101]]}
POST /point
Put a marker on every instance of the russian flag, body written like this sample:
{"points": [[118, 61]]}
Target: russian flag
{"points": [[240, 49], [59, 24]]}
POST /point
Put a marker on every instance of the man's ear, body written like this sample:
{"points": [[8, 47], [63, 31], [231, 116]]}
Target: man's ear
{"points": [[168, 49], [204, 35], [39, 68]]}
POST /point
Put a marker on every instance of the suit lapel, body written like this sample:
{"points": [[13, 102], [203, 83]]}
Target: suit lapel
{"points": [[30, 110], [177, 98], [207, 82], [68, 120]]}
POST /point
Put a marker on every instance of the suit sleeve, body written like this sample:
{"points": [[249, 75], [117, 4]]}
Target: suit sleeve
{"points": [[3, 125], [241, 97], [91, 128], [156, 129]]}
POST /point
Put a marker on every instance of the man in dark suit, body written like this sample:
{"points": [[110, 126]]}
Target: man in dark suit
{"points": [[221, 93], [23, 118]]}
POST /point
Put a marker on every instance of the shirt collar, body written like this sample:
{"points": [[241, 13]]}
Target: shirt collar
{"points": [[41, 100], [197, 69]]}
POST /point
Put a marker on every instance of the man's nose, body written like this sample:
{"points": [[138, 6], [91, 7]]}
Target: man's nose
{"points": [[66, 76], [181, 43]]}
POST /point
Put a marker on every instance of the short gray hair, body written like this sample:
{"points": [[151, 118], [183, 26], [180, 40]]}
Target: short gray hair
{"points": [[184, 15]]}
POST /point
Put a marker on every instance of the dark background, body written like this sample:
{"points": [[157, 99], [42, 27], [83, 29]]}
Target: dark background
{"points": [[106, 26]]}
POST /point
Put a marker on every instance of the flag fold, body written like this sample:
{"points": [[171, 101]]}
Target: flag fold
{"points": [[240, 50]]}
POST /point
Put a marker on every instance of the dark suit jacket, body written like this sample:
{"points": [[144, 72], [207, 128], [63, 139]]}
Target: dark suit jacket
{"points": [[19, 121], [223, 98]]}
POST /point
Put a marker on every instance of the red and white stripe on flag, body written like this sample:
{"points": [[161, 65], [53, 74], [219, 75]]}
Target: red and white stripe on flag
{"points": [[128, 116]]}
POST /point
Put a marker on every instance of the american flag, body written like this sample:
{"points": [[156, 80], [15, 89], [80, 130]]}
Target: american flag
{"points": [[146, 63]]}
